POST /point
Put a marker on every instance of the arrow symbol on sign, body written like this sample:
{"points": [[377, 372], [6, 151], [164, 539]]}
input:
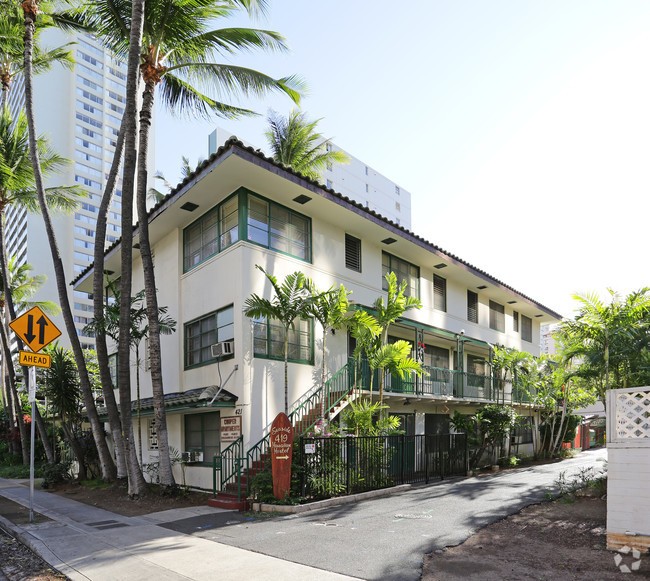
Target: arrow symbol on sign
{"points": [[282, 457], [42, 323], [29, 335]]}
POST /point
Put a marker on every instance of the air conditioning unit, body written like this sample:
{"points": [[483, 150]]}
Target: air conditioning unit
{"points": [[191, 457], [222, 348]]}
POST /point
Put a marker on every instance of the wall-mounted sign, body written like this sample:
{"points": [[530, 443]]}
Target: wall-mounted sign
{"points": [[230, 429], [310, 448]]}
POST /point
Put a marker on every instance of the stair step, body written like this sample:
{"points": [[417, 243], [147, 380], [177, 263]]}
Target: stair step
{"points": [[228, 503]]}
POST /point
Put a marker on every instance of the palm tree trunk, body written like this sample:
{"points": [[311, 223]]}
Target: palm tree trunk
{"points": [[10, 377], [155, 362], [322, 383], [98, 307], [137, 484], [106, 461], [286, 371]]}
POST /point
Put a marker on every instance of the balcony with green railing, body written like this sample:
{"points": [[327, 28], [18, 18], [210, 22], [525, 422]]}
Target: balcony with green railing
{"points": [[438, 382]]}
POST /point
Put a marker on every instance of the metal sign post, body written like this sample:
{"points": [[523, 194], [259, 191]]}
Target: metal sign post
{"points": [[31, 389]]}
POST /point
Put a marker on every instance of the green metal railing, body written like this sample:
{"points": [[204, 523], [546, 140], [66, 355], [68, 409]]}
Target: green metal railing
{"points": [[440, 382], [229, 465], [434, 382], [305, 415]]}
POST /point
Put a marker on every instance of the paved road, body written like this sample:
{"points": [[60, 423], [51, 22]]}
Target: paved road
{"points": [[386, 538]]}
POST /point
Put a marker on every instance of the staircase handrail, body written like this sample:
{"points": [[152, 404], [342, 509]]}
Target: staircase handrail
{"points": [[229, 463]]}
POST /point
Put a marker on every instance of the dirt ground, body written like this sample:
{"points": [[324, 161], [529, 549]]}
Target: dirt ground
{"points": [[554, 541], [114, 497], [559, 540]]}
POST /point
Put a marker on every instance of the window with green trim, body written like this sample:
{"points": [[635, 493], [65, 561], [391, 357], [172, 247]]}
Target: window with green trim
{"points": [[266, 223], [201, 240], [268, 340], [206, 331], [202, 434], [278, 228], [404, 271]]}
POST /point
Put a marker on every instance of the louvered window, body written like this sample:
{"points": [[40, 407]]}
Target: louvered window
{"points": [[472, 306], [439, 293], [497, 317], [352, 253], [526, 328], [515, 321]]}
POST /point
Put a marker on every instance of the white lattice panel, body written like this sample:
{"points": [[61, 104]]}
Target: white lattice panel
{"points": [[633, 414]]}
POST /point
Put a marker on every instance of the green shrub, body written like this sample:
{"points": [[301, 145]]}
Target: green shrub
{"points": [[56, 473]]}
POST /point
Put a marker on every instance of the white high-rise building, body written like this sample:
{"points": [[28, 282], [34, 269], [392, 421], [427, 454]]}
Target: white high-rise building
{"points": [[355, 180], [79, 111]]}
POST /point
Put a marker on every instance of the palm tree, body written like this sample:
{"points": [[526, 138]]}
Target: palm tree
{"points": [[31, 11], [120, 422], [177, 51], [12, 50], [386, 313], [329, 309], [291, 302], [108, 325], [17, 189], [296, 143], [23, 286], [61, 386], [154, 196]]}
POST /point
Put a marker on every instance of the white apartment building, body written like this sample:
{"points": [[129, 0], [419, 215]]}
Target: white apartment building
{"points": [[355, 180], [79, 111], [239, 209]]}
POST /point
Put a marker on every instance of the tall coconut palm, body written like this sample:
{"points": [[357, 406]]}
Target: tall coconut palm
{"points": [[31, 11], [290, 302], [121, 427], [17, 188], [179, 49], [12, 50], [296, 143]]}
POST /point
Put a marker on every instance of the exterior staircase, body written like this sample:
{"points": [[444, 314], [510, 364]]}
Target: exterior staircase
{"points": [[234, 469]]}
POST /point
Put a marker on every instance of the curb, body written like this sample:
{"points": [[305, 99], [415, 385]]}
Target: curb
{"points": [[39, 548], [329, 502]]}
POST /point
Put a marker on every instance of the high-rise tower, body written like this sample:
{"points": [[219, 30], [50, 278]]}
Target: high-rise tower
{"points": [[80, 112]]}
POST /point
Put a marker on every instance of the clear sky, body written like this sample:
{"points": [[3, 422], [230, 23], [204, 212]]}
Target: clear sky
{"points": [[520, 127]]}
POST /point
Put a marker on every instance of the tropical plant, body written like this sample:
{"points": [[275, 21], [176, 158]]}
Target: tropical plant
{"points": [[154, 196], [365, 418], [381, 355], [109, 324], [12, 49], [290, 302], [177, 52], [61, 387], [609, 340], [329, 308], [31, 10], [295, 142]]}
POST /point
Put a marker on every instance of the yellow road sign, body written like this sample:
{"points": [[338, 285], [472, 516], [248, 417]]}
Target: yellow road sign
{"points": [[35, 359], [35, 329]]}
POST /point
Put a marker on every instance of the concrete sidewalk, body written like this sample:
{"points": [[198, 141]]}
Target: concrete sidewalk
{"points": [[86, 542]]}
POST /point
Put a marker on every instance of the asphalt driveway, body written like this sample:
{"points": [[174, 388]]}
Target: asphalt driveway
{"points": [[387, 538]]}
